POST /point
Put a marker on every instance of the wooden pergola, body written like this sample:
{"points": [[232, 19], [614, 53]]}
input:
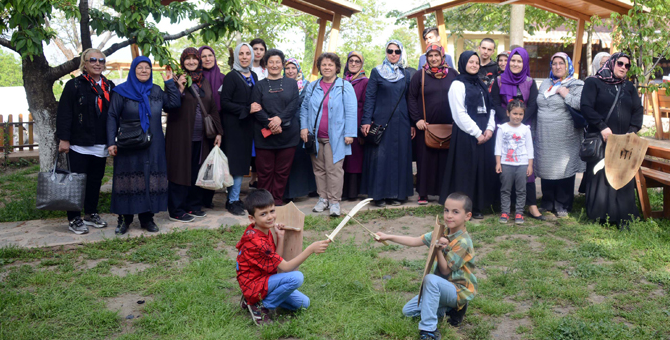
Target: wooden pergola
{"points": [[579, 10]]}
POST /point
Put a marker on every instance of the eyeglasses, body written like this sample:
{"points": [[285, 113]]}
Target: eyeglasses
{"points": [[390, 51], [95, 60], [621, 64], [558, 64], [355, 61], [144, 69]]}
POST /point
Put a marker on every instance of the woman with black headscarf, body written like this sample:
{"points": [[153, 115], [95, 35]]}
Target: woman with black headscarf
{"points": [[471, 163], [599, 96]]}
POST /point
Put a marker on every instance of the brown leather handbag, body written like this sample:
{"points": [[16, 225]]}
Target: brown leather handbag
{"points": [[437, 136]]}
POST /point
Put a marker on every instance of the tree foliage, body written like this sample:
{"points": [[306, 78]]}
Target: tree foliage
{"points": [[10, 70]]}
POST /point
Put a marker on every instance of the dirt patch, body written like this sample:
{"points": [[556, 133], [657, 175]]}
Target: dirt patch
{"points": [[506, 328], [564, 310], [596, 299], [129, 309], [130, 268], [533, 243], [619, 319], [602, 262]]}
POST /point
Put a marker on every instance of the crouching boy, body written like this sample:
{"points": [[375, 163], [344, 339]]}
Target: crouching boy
{"points": [[453, 283], [258, 259]]}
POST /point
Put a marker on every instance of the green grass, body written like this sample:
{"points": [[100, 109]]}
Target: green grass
{"points": [[568, 280], [17, 196]]}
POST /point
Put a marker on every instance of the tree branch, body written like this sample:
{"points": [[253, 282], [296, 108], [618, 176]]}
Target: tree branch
{"points": [[105, 39], [84, 27], [657, 61], [8, 44]]}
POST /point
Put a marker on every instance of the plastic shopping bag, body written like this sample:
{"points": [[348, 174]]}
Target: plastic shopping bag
{"points": [[214, 173]]}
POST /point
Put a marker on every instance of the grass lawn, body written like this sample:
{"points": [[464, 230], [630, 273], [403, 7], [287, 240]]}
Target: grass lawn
{"points": [[566, 279]]}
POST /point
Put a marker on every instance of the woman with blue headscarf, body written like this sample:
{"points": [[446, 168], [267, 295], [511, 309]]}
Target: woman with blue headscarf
{"points": [[140, 184], [387, 167], [557, 140]]}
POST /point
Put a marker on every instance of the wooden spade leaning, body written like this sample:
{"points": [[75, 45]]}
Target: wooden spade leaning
{"points": [[294, 222], [623, 157], [438, 232]]}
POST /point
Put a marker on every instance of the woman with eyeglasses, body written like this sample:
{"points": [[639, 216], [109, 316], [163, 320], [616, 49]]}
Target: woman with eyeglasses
{"points": [[276, 127], [387, 167], [557, 141], [599, 96], [353, 164], [81, 127], [140, 182]]}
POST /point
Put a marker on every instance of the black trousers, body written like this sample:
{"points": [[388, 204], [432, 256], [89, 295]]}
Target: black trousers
{"points": [[182, 198], [557, 195], [94, 168], [144, 217]]}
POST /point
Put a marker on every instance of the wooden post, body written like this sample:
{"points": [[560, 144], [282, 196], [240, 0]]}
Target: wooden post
{"points": [[334, 33], [134, 51], [440, 27], [420, 27], [31, 139], [577, 51], [10, 130], [516, 24], [20, 131], [2, 133], [319, 49], [642, 194]]}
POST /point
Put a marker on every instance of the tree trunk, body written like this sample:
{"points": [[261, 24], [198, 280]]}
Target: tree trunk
{"points": [[589, 50], [516, 25], [83, 25], [42, 105]]}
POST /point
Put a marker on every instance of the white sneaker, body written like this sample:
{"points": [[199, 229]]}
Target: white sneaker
{"points": [[321, 205], [335, 210]]}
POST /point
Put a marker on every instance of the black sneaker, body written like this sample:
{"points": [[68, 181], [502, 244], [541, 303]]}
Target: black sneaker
{"points": [[456, 316], [198, 213], [183, 218], [426, 335], [151, 226], [235, 208], [95, 221], [477, 216], [122, 228], [77, 226], [259, 314], [380, 203]]}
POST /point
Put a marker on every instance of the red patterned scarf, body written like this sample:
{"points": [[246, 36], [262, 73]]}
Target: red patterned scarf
{"points": [[102, 97]]}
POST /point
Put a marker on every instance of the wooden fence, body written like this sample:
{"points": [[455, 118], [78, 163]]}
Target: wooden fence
{"points": [[12, 134]]}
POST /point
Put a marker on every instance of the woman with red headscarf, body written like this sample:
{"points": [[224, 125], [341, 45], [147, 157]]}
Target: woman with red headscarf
{"points": [[186, 142]]}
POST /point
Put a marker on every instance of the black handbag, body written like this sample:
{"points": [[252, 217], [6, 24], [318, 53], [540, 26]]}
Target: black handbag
{"points": [[376, 131], [578, 119], [310, 144], [131, 136], [61, 189], [593, 146]]}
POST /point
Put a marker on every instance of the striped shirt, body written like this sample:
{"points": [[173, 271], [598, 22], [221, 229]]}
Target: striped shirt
{"points": [[460, 256]]}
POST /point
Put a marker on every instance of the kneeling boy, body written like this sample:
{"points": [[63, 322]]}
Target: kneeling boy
{"points": [[453, 283], [259, 258]]}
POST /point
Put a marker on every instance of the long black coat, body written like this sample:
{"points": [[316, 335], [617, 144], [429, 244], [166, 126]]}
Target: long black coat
{"points": [[238, 124]]}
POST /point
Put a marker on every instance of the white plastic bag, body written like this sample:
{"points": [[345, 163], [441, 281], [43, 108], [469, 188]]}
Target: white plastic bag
{"points": [[214, 173]]}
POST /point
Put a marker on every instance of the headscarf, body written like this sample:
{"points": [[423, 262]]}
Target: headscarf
{"points": [[506, 54], [348, 76], [393, 72], [441, 70], [214, 76], [138, 91], [557, 82], [196, 75], [595, 65], [510, 81], [236, 55], [474, 86], [606, 73], [300, 78]]}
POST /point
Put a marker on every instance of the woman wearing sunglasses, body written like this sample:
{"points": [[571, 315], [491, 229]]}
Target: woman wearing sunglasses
{"points": [[387, 167], [81, 127], [599, 96]]}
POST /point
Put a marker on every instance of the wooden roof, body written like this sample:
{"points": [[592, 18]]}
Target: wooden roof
{"points": [[324, 9], [574, 9]]}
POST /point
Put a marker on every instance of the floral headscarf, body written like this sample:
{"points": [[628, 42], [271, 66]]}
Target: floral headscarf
{"points": [[606, 73], [389, 71], [300, 78], [441, 70], [557, 82], [348, 76]]}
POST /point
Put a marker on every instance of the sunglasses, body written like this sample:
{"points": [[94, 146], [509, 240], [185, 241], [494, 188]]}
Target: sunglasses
{"points": [[95, 60], [390, 51], [621, 64]]}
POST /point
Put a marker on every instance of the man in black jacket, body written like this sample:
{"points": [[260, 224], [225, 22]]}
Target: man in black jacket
{"points": [[488, 69]]}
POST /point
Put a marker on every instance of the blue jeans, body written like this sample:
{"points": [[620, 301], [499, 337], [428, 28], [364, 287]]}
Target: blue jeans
{"points": [[234, 191], [439, 296], [283, 292]]}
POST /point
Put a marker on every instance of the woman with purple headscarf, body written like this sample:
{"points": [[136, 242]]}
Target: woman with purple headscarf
{"points": [[515, 83], [212, 73]]}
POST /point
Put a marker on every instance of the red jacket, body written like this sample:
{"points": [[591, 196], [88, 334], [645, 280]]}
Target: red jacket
{"points": [[257, 259]]}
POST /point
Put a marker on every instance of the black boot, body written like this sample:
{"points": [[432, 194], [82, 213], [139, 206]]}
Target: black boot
{"points": [[456, 316], [122, 226]]}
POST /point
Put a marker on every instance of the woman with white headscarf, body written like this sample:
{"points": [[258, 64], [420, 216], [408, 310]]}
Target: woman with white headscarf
{"points": [[387, 167], [237, 121], [599, 61]]}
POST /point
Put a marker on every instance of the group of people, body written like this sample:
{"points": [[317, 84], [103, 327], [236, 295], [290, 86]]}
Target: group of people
{"points": [[299, 138]]}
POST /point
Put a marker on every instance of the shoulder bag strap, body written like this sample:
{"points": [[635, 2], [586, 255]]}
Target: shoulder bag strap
{"points": [[322, 99], [423, 98], [616, 99], [396, 104], [197, 96]]}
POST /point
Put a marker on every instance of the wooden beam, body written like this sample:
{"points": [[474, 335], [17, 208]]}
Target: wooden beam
{"points": [[439, 15], [332, 7], [308, 9], [420, 27], [508, 2], [608, 6], [134, 51], [319, 49], [577, 50], [334, 33], [560, 10]]}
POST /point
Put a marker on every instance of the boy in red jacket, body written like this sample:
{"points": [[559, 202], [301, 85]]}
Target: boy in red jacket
{"points": [[258, 259]]}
